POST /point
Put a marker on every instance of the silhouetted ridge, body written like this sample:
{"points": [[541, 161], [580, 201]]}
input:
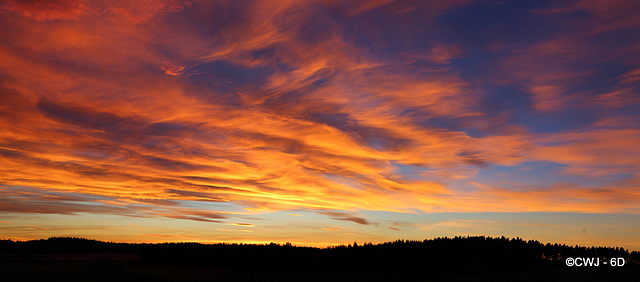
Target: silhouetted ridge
{"points": [[438, 256]]}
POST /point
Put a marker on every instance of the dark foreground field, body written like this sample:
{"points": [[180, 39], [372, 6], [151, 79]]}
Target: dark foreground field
{"points": [[441, 259]]}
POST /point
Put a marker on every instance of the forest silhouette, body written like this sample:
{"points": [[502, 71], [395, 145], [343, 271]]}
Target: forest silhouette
{"points": [[434, 258]]}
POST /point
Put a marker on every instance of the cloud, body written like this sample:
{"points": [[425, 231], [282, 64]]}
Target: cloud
{"points": [[564, 198], [48, 10], [169, 235], [346, 217], [547, 98], [301, 105], [172, 69], [605, 15], [33, 200], [36, 201], [243, 224], [597, 153]]}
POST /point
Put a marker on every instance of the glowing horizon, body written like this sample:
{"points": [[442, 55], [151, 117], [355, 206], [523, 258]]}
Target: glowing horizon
{"points": [[320, 122]]}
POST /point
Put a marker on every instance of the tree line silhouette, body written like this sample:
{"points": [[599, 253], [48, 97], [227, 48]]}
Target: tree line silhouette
{"points": [[438, 256]]}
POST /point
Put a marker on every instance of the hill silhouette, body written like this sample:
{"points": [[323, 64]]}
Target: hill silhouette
{"points": [[432, 258]]}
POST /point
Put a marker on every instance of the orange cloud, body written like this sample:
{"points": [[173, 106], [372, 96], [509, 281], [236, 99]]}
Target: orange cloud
{"points": [[42, 10], [597, 153], [172, 69], [561, 198], [169, 235], [605, 15], [283, 111], [243, 224]]}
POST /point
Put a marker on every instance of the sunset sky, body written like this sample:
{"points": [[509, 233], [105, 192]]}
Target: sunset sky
{"points": [[320, 122]]}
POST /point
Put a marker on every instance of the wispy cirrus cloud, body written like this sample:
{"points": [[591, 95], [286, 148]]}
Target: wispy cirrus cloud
{"points": [[327, 107]]}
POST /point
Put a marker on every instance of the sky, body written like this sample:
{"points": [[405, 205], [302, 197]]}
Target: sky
{"points": [[320, 122]]}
